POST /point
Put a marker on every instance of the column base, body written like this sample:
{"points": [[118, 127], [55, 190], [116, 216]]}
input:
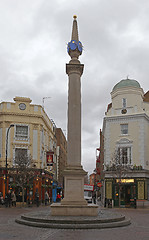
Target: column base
{"points": [[74, 186], [73, 202], [57, 209]]}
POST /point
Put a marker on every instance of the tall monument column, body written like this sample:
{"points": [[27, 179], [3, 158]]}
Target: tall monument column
{"points": [[74, 70], [74, 186], [74, 203]]}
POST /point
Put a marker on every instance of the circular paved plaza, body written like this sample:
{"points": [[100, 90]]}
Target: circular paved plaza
{"points": [[9, 229]]}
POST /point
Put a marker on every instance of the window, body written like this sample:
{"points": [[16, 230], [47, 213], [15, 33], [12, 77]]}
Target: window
{"points": [[21, 132], [19, 152], [124, 129], [21, 157], [124, 154], [124, 102]]}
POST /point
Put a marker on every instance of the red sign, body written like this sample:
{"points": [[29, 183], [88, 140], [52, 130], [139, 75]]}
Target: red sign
{"points": [[99, 184], [50, 158]]}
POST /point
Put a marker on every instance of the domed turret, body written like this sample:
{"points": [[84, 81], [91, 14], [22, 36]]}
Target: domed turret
{"points": [[126, 83], [127, 97]]}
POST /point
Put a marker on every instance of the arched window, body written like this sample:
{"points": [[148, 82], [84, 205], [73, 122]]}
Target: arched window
{"points": [[124, 151]]}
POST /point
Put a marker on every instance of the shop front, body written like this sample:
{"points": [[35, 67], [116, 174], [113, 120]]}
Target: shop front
{"points": [[127, 192], [124, 192], [25, 186]]}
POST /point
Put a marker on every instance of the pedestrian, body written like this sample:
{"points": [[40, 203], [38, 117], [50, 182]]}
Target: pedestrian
{"points": [[8, 199], [94, 197], [105, 203], [37, 198], [135, 202], [13, 199], [58, 197], [51, 199], [46, 198], [1, 198]]}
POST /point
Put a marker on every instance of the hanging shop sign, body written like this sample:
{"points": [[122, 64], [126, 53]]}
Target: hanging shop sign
{"points": [[50, 156], [88, 187]]}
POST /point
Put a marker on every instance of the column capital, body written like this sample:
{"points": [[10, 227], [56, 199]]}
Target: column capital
{"points": [[74, 68]]}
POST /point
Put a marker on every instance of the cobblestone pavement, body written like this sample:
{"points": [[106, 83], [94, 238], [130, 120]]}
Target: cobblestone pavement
{"points": [[139, 229]]}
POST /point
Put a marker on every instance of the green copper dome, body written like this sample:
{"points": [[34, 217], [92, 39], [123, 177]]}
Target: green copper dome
{"points": [[126, 83]]}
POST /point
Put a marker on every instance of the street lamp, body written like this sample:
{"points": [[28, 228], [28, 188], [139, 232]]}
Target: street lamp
{"points": [[12, 125]]}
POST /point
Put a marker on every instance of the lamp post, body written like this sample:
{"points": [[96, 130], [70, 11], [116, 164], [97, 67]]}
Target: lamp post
{"points": [[12, 125]]}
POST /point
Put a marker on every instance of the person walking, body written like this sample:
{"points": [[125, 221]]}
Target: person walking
{"points": [[1, 198], [94, 197], [46, 198], [8, 199], [37, 198], [58, 199], [13, 199]]}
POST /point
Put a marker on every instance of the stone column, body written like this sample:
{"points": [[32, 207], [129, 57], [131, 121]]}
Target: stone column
{"points": [[74, 72], [74, 202]]}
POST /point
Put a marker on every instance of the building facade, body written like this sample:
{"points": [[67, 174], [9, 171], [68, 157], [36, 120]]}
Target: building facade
{"points": [[61, 155], [31, 132], [100, 168], [125, 137]]}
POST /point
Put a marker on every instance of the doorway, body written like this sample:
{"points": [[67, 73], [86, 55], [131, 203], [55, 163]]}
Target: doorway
{"points": [[127, 195]]}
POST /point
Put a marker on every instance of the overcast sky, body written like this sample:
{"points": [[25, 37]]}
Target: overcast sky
{"points": [[33, 56]]}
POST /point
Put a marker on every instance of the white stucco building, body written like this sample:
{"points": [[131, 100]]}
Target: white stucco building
{"points": [[126, 130]]}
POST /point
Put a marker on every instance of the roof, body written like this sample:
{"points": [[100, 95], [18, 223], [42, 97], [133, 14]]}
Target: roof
{"points": [[126, 83], [146, 97], [109, 106]]}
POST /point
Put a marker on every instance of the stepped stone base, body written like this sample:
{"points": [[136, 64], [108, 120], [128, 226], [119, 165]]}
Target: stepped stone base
{"points": [[74, 210], [43, 219]]}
